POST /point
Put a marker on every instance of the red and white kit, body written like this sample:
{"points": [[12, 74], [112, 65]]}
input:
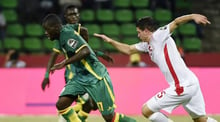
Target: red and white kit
{"points": [[184, 86]]}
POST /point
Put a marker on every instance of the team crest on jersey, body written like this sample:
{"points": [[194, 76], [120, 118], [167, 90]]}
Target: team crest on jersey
{"points": [[72, 43]]}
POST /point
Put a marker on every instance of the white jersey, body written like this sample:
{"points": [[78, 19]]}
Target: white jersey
{"points": [[162, 50]]}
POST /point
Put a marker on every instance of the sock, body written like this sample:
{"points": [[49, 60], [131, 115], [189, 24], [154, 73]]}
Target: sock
{"points": [[77, 107], [69, 115], [158, 117], [61, 119], [211, 120], [122, 118], [83, 115]]}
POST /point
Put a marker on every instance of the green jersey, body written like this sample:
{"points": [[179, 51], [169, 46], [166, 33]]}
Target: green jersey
{"points": [[87, 71], [69, 71]]}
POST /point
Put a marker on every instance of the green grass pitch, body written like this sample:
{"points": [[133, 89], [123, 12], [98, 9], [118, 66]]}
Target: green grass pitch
{"points": [[92, 118]]}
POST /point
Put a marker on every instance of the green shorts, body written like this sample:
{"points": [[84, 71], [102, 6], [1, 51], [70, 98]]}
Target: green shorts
{"points": [[101, 92]]}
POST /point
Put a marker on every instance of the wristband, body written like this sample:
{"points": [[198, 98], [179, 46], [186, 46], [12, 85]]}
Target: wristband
{"points": [[47, 75], [99, 53]]}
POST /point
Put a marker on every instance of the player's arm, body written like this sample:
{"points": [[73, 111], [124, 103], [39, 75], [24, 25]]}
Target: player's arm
{"points": [[46, 81], [79, 55], [198, 18], [104, 56], [122, 47], [82, 53], [84, 33]]}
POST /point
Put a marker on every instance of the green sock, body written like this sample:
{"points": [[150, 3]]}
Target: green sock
{"points": [[123, 118], [83, 115], [70, 115]]}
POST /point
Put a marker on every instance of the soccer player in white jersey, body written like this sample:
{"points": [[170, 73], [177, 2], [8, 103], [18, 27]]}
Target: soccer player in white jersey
{"points": [[184, 86]]}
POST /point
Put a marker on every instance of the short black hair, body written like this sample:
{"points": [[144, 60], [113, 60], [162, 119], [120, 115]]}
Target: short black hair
{"points": [[147, 22], [67, 7], [51, 20], [14, 55]]}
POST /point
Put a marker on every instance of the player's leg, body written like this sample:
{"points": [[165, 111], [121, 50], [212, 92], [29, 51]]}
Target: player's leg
{"points": [[166, 100], [64, 108], [154, 116], [102, 93], [196, 106], [87, 106], [69, 94]]}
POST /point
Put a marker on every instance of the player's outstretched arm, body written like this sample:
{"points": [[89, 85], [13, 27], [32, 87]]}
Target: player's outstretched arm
{"points": [[198, 18], [46, 80], [124, 48], [104, 56]]}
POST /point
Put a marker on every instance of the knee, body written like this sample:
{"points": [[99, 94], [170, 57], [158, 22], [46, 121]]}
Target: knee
{"points": [[59, 105], [200, 119], [64, 102], [109, 117], [146, 111], [93, 104]]}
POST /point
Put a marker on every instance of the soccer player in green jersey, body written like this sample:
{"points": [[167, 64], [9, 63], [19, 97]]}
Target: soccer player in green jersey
{"points": [[91, 75], [84, 103]]}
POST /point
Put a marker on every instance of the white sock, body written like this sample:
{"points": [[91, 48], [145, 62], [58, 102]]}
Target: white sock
{"points": [[61, 119], [159, 117], [211, 120]]}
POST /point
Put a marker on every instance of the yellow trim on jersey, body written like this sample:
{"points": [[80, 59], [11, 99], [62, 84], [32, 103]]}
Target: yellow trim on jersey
{"points": [[89, 68], [109, 90], [56, 50], [76, 33], [79, 28], [80, 48], [117, 117], [71, 74], [100, 106]]}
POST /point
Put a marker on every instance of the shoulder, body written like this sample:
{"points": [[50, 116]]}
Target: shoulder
{"points": [[142, 46], [161, 33], [8, 64], [21, 64], [83, 30]]}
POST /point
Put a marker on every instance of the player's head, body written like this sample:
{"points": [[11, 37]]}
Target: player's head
{"points": [[14, 55], [71, 14], [52, 25], [145, 26]]}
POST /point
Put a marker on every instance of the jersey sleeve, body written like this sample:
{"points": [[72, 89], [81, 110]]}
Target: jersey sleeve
{"points": [[56, 47], [162, 33], [74, 42], [142, 46]]}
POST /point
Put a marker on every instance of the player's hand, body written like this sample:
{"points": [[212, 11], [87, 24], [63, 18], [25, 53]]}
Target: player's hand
{"points": [[58, 66], [46, 82], [102, 36], [108, 58], [200, 19]]}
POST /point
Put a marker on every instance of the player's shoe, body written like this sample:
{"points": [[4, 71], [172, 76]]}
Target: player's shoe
{"points": [[169, 120], [211, 120]]}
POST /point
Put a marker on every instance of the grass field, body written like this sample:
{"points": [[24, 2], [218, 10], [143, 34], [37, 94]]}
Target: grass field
{"points": [[92, 118]]}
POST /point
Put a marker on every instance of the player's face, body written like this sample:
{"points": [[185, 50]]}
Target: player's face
{"points": [[72, 15], [143, 34], [51, 33]]}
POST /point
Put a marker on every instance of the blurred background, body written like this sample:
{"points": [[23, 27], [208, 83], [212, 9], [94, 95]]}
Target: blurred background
{"points": [[20, 27], [22, 39]]}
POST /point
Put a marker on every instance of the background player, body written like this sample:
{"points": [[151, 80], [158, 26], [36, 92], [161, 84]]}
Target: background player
{"points": [[184, 86], [71, 14]]}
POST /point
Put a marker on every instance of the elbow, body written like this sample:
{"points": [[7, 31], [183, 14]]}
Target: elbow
{"points": [[85, 51]]}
